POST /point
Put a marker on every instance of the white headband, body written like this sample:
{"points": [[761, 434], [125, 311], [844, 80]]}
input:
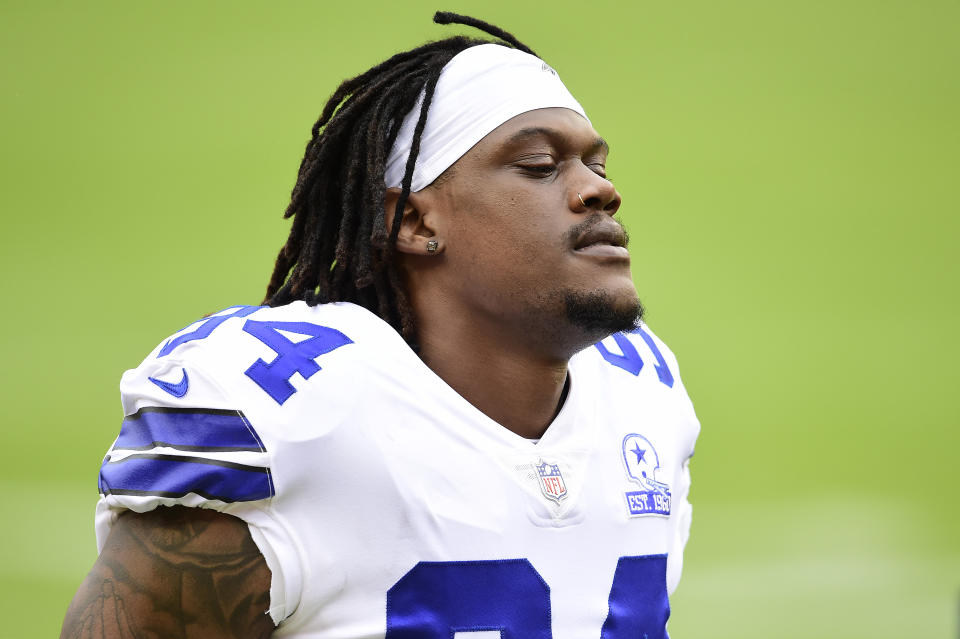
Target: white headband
{"points": [[479, 89]]}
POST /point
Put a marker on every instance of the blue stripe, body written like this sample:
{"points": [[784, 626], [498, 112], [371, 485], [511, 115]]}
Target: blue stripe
{"points": [[195, 429], [174, 476]]}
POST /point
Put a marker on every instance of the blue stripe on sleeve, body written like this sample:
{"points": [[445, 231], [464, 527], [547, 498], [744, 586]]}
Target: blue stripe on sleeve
{"points": [[176, 476], [193, 429]]}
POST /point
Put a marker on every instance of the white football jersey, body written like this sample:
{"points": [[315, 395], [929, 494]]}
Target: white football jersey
{"points": [[386, 505]]}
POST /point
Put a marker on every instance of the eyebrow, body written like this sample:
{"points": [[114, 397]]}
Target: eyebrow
{"points": [[535, 131]]}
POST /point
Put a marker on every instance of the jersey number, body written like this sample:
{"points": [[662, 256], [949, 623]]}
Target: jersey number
{"points": [[631, 361], [437, 600], [292, 356]]}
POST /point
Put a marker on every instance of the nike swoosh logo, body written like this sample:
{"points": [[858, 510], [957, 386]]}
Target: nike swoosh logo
{"points": [[177, 390]]}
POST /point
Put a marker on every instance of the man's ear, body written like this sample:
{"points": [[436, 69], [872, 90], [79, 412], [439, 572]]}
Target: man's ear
{"points": [[416, 237]]}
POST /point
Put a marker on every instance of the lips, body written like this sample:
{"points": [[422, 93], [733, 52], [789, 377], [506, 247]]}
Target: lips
{"points": [[606, 240]]}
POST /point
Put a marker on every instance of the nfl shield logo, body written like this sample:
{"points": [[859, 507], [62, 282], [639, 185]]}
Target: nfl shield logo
{"points": [[551, 481]]}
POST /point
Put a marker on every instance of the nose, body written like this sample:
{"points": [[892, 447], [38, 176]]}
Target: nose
{"points": [[594, 193]]}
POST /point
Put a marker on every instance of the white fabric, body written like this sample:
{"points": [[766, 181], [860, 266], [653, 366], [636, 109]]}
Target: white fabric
{"points": [[479, 89], [378, 465]]}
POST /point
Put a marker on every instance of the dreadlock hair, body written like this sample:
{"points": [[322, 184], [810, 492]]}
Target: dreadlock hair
{"points": [[339, 248]]}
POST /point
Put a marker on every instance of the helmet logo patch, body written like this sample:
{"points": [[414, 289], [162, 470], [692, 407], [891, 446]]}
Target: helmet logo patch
{"points": [[642, 463]]}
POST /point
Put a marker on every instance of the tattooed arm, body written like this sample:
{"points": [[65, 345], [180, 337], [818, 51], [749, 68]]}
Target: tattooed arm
{"points": [[174, 572]]}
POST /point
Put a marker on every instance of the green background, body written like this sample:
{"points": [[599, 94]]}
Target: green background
{"points": [[790, 178]]}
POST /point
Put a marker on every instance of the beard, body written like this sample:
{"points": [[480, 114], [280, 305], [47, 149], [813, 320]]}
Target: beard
{"points": [[600, 314]]}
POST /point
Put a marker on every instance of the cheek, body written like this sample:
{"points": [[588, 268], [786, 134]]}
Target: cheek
{"points": [[507, 234], [512, 245]]}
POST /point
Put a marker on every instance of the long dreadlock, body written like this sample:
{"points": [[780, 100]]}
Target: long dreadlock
{"points": [[339, 248]]}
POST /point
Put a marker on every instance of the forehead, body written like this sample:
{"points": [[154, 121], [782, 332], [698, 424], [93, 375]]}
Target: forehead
{"points": [[556, 126]]}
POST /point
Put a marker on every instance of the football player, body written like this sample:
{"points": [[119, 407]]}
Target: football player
{"points": [[446, 420]]}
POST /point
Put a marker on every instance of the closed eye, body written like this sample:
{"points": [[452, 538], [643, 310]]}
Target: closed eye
{"points": [[540, 170]]}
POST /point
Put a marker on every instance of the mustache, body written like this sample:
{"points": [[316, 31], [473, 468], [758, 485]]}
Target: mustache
{"points": [[579, 230]]}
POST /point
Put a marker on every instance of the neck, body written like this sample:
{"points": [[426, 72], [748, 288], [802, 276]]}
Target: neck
{"points": [[503, 379]]}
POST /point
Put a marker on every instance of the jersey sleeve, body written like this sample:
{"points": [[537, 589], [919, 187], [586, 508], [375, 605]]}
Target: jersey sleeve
{"points": [[195, 449]]}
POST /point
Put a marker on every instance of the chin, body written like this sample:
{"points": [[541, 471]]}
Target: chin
{"points": [[600, 313]]}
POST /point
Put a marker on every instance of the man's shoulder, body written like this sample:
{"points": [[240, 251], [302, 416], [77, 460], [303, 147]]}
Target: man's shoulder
{"points": [[259, 352], [211, 408], [637, 379]]}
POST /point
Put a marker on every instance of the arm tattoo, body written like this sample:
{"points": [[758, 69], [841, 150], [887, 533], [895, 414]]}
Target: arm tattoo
{"points": [[105, 616], [174, 572]]}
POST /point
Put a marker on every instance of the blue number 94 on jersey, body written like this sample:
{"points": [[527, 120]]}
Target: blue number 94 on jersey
{"points": [[441, 600]]}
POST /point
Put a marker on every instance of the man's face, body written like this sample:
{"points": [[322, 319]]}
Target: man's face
{"points": [[528, 232]]}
